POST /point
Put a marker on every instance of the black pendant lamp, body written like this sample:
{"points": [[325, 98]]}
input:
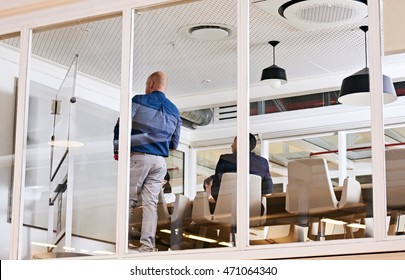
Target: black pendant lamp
{"points": [[355, 89], [274, 75]]}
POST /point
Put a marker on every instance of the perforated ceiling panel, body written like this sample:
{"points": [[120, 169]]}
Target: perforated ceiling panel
{"points": [[196, 66]]}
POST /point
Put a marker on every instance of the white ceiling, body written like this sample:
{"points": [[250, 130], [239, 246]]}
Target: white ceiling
{"points": [[196, 67]]}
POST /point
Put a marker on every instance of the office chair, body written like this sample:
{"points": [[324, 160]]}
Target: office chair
{"points": [[395, 176], [310, 195], [225, 209]]}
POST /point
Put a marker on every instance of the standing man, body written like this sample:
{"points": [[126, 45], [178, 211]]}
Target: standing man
{"points": [[156, 125]]}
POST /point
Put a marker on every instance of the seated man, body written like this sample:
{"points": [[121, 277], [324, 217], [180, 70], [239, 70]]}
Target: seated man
{"points": [[258, 166]]}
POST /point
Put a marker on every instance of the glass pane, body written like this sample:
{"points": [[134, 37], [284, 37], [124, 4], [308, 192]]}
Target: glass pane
{"points": [[182, 41], [71, 173], [175, 169], [314, 163], [393, 67], [290, 46], [206, 163], [9, 60], [395, 157]]}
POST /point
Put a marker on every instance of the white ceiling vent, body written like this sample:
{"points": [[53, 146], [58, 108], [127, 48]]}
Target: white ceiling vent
{"points": [[315, 14], [208, 32]]}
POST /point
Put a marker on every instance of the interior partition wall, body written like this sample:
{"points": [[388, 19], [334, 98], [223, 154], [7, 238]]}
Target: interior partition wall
{"points": [[308, 172], [392, 49], [9, 56], [182, 41], [71, 175], [87, 184]]}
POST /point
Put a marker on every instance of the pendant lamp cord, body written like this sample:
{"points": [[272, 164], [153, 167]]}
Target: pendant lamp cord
{"points": [[365, 43], [364, 28], [274, 44]]}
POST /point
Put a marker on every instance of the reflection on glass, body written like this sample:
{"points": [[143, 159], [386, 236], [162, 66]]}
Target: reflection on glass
{"points": [[9, 63], [394, 156], [310, 166], [195, 45], [395, 159], [71, 175], [175, 168], [394, 54], [61, 140], [307, 165]]}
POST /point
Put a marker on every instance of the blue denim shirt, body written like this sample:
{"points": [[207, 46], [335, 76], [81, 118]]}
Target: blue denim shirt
{"points": [[156, 125]]}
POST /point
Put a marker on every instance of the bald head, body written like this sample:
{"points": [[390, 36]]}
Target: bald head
{"points": [[156, 81]]}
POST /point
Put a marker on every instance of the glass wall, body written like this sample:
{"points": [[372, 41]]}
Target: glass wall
{"points": [[290, 44], [347, 222], [175, 169], [9, 59], [195, 45], [394, 53], [71, 176], [395, 156]]}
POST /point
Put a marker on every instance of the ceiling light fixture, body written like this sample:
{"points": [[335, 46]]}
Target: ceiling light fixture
{"points": [[315, 14], [274, 75], [208, 32], [355, 89]]}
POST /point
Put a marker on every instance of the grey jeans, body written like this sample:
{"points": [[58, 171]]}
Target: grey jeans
{"points": [[147, 174]]}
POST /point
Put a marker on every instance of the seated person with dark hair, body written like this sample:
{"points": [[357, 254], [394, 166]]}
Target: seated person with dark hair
{"points": [[167, 189], [258, 166], [207, 185]]}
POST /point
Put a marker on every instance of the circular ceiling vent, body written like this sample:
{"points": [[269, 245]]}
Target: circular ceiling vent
{"points": [[208, 32], [316, 14]]}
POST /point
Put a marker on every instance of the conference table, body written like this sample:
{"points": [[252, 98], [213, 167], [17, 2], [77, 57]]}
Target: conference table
{"points": [[276, 213]]}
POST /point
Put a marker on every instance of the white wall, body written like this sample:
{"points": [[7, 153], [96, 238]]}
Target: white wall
{"points": [[394, 42], [8, 74]]}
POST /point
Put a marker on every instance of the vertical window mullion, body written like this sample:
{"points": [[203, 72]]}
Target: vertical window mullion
{"points": [[124, 128], [243, 105], [377, 121], [20, 144]]}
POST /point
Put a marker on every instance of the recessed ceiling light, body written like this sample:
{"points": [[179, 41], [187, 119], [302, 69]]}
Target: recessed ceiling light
{"points": [[208, 32]]}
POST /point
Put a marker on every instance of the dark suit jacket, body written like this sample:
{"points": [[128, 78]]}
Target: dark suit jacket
{"points": [[258, 166]]}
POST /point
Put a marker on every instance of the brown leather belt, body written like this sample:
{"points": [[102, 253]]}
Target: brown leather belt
{"points": [[140, 153]]}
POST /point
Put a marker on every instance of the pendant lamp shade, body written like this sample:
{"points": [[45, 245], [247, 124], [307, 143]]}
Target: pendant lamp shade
{"points": [[274, 75], [355, 89]]}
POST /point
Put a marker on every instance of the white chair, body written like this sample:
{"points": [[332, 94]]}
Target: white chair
{"points": [[200, 213], [200, 217], [310, 194], [224, 216], [225, 209], [309, 188], [174, 222], [395, 176], [179, 219]]}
